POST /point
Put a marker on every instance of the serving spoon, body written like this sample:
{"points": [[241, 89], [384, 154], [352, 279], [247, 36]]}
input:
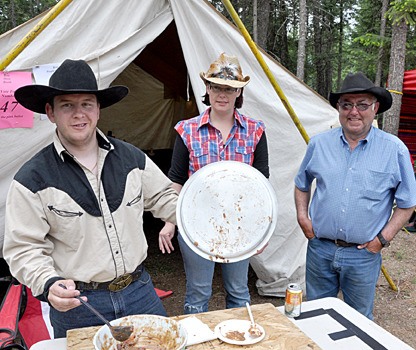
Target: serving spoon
{"points": [[120, 333], [254, 331]]}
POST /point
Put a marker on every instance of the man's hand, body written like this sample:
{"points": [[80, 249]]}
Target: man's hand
{"points": [[64, 299], [373, 246], [306, 226], [165, 238], [302, 204]]}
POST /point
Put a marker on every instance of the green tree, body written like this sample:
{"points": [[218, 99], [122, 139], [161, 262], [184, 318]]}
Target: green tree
{"points": [[15, 12], [402, 13]]}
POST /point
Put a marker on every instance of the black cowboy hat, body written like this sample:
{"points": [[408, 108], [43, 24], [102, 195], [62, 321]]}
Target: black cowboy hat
{"points": [[71, 77], [358, 84]]}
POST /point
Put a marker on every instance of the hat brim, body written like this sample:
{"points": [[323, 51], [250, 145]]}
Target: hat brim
{"points": [[231, 83], [35, 97], [383, 97]]}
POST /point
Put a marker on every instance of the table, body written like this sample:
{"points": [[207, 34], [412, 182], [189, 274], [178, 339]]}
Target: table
{"points": [[327, 323], [281, 333], [333, 324]]}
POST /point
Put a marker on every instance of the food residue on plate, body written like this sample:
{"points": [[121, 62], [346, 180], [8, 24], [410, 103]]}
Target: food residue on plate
{"points": [[148, 337], [235, 335]]}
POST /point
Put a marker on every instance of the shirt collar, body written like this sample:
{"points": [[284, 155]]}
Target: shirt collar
{"points": [[364, 141], [204, 120], [103, 142]]}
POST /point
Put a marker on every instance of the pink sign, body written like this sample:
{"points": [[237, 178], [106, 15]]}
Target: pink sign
{"points": [[12, 114]]}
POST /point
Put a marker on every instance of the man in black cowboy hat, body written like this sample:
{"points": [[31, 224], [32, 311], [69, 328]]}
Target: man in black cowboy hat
{"points": [[359, 171], [74, 211]]}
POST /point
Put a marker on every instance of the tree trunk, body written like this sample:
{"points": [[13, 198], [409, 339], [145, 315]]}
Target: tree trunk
{"points": [[263, 19], [13, 14], [380, 58], [255, 38], [282, 19], [303, 18], [323, 42], [317, 41], [391, 118], [340, 44]]}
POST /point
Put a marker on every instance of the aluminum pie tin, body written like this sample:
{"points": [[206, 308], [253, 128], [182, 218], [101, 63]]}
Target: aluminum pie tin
{"points": [[226, 211]]}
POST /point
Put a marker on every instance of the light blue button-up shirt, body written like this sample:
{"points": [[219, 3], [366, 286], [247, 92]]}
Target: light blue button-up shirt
{"points": [[355, 189]]}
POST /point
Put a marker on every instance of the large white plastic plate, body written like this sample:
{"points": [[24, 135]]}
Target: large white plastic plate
{"points": [[228, 331], [226, 211]]}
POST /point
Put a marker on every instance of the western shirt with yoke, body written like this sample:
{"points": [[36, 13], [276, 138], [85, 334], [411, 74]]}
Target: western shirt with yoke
{"points": [[63, 221], [355, 190], [206, 145]]}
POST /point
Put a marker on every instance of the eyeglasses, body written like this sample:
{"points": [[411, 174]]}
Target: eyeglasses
{"points": [[227, 90], [348, 106]]}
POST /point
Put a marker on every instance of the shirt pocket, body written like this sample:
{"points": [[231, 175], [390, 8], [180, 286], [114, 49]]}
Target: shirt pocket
{"points": [[66, 222], [245, 154], [245, 150], [377, 183], [136, 199], [201, 155], [198, 152]]}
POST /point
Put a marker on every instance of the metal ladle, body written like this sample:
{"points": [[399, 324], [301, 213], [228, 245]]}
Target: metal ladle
{"points": [[120, 333]]}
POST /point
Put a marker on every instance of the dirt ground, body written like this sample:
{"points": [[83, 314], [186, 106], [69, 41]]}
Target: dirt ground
{"points": [[395, 311]]}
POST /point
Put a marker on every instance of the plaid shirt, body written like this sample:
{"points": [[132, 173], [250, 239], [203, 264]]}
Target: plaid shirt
{"points": [[206, 145]]}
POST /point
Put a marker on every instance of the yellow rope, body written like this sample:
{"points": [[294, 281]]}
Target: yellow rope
{"points": [[396, 92], [266, 69]]}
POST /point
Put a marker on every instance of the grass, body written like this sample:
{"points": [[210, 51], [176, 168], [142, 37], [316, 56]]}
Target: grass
{"points": [[399, 255]]}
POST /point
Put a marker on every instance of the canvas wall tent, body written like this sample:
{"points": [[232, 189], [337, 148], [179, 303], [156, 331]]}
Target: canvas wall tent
{"points": [[407, 126], [153, 47]]}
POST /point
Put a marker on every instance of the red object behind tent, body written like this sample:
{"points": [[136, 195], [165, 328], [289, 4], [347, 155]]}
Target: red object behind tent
{"points": [[409, 81], [407, 126]]}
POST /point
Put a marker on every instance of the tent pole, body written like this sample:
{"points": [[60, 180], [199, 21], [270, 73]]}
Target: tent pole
{"points": [[43, 23], [279, 92], [266, 69]]}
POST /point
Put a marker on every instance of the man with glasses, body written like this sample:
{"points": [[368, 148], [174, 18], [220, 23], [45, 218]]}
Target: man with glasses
{"points": [[359, 171]]}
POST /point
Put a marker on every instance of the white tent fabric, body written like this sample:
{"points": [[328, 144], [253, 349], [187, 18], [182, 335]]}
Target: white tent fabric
{"points": [[111, 34]]}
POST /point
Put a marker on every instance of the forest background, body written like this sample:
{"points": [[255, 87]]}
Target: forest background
{"points": [[320, 41]]}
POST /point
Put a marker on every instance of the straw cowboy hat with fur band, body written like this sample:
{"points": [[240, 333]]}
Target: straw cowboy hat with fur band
{"points": [[226, 70]]}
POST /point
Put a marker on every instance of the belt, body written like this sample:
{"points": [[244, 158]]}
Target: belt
{"points": [[339, 242], [115, 285]]}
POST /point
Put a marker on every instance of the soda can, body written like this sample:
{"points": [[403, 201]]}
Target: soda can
{"points": [[293, 300]]}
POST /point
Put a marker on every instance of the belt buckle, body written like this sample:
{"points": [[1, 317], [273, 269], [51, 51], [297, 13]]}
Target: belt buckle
{"points": [[340, 243], [120, 283]]}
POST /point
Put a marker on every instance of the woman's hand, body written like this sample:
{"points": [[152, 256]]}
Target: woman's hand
{"points": [[165, 238]]}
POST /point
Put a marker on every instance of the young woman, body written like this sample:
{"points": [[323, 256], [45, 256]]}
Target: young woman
{"points": [[219, 133]]}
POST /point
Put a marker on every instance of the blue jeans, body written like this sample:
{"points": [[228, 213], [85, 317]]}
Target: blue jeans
{"points": [[199, 274], [353, 271], [138, 298]]}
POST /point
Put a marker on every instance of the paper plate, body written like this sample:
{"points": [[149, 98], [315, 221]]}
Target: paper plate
{"points": [[236, 332], [226, 211]]}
